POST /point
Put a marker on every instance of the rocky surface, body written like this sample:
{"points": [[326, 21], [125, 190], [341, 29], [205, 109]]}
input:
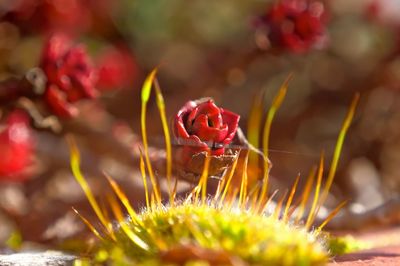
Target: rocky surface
{"points": [[386, 251], [49, 258], [377, 257]]}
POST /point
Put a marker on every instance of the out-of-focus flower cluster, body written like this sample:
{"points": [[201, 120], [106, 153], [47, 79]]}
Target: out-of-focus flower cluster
{"points": [[294, 25], [116, 68], [385, 11], [70, 75], [49, 16]]}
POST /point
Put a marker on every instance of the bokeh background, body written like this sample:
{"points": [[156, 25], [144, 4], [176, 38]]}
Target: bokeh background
{"points": [[203, 49]]}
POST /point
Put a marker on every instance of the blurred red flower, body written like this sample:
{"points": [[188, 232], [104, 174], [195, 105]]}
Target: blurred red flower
{"points": [[295, 25], [70, 75], [386, 12], [16, 146], [71, 16], [116, 68], [201, 126]]}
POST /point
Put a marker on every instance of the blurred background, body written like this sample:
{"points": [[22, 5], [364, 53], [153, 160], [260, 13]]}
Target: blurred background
{"points": [[228, 50]]}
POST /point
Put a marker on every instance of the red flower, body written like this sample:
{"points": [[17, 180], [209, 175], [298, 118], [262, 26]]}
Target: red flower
{"points": [[70, 75], [296, 25], [201, 126], [117, 69], [16, 146]]}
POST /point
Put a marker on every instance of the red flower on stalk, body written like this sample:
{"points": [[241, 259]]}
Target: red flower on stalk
{"points": [[70, 75], [16, 146], [201, 126], [295, 25]]}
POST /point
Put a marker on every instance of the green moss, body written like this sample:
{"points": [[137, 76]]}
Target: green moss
{"points": [[345, 244], [253, 238], [14, 241]]}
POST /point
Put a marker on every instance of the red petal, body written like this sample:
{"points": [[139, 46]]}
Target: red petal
{"points": [[190, 119], [179, 128], [207, 133], [196, 144], [57, 102], [55, 48], [192, 146], [85, 85], [232, 121], [217, 152], [208, 107], [179, 124]]}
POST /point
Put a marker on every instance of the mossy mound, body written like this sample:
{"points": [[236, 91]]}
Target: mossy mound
{"points": [[215, 235]]}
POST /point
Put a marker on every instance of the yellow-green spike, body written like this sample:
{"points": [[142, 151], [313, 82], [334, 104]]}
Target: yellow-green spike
{"points": [[276, 104], [221, 184], [254, 199], [228, 182], [167, 136], [338, 148], [146, 89], [75, 166], [253, 128], [89, 225], [269, 200], [310, 217], [110, 225], [205, 178], [331, 215], [294, 207], [232, 198], [143, 173], [243, 185], [224, 179], [173, 196], [306, 193], [278, 207], [153, 204], [290, 199], [122, 197], [202, 185], [125, 228]]}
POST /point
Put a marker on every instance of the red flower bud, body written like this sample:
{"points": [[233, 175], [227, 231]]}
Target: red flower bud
{"points": [[202, 127], [16, 146], [295, 25], [70, 75]]}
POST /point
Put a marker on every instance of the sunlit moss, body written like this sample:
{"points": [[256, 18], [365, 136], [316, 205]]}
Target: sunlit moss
{"points": [[255, 239]]}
